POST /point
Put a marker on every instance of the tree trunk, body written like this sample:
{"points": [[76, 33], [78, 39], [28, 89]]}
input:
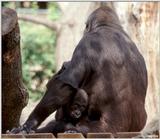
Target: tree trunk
{"points": [[14, 95]]}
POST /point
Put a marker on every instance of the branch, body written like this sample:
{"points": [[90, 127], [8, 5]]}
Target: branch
{"points": [[48, 23]]}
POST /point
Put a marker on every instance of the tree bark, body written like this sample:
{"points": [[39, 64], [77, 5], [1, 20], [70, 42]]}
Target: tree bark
{"points": [[14, 95]]}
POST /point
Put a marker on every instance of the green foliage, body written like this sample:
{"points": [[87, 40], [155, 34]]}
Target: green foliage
{"points": [[38, 57], [8, 4], [34, 5], [53, 8]]}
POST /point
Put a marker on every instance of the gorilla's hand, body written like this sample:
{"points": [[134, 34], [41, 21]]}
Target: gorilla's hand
{"points": [[70, 128], [20, 130], [71, 131]]}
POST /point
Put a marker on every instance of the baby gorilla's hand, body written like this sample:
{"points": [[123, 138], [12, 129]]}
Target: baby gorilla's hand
{"points": [[70, 128], [20, 130], [71, 131]]}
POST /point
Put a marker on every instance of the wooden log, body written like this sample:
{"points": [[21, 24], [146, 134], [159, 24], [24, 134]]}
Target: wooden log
{"points": [[34, 135], [99, 135], [12, 136], [70, 135], [40, 135], [14, 94], [126, 134], [151, 136], [133, 135]]}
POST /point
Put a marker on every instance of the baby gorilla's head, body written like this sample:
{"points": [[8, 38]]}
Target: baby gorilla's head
{"points": [[79, 105]]}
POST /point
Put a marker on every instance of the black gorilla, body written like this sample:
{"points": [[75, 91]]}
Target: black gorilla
{"points": [[108, 66]]}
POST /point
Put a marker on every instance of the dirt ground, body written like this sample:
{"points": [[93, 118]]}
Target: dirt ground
{"points": [[28, 109]]}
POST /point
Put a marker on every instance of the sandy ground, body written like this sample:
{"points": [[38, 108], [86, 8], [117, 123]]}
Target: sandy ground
{"points": [[28, 109]]}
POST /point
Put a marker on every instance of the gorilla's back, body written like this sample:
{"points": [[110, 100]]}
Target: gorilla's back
{"points": [[119, 82]]}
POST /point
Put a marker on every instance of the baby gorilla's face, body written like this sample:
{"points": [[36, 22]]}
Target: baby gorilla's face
{"points": [[76, 111], [78, 107], [79, 104]]}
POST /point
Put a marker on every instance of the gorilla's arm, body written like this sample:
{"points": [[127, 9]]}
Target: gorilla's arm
{"points": [[53, 99], [60, 90]]}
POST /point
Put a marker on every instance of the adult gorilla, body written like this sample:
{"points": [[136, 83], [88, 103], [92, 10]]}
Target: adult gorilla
{"points": [[108, 66]]}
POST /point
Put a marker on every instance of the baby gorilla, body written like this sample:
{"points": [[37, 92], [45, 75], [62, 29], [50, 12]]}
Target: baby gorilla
{"points": [[69, 115], [79, 104], [75, 109]]}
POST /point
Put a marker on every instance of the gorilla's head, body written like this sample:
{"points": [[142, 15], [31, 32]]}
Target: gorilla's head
{"points": [[103, 16]]}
